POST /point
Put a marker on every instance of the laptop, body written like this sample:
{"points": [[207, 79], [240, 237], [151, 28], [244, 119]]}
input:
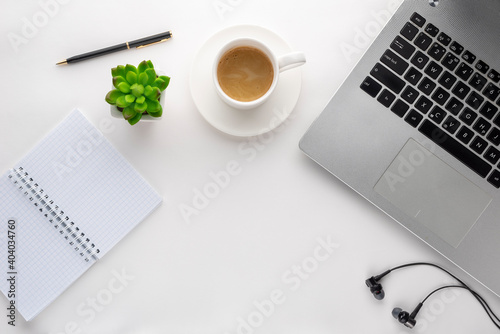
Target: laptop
{"points": [[415, 129]]}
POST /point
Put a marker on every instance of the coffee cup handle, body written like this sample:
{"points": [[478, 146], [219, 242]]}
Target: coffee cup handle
{"points": [[291, 60]]}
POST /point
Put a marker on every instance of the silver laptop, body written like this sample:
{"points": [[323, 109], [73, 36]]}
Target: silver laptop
{"points": [[415, 129]]}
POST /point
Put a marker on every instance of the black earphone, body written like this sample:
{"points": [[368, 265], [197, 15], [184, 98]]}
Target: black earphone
{"points": [[408, 319], [375, 287]]}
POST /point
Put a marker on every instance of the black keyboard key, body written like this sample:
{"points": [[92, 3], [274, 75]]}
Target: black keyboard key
{"points": [[426, 86], [469, 57], [440, 96], [451, 125], [433, 70], [482, 67], [444, 39], [492, 155], [417, 19], [497, 120], [478, 81], [371, 86], [401, 46], [409, 94], [423, 41], [461, 90], [437, 114], [494, 179], [454, 106], [452, 146], [423, 104], [457, 48], [386, 98], [465, 135], [491, 92], [450, 61], [387, 78], [475, 100], [414, 118], [409, 31], [468, 116], [400, 108], [482, 126], [488, 110], [394, 62], [447, 80], [413, 76], [494, 136], [464, 71], [494, 76], [431, 30], [419, 60], [478, 145], [437, 51]]}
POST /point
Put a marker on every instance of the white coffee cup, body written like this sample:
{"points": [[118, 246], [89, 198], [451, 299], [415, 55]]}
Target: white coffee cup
{"points": [[279, 64]]}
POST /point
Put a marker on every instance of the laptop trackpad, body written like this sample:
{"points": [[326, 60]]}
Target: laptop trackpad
{"points": [[437, 196]]}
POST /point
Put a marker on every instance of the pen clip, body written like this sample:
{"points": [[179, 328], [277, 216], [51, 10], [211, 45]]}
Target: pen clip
{"points": [[143, 46]]}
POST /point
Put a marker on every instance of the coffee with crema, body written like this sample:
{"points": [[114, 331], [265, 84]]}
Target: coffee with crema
{"points": [[245, 73]]}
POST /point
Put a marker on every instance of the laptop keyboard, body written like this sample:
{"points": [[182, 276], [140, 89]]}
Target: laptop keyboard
{"points": [[445, 91]]}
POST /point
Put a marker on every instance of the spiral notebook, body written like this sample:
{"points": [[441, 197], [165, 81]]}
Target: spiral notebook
{"points": [[62, 207]]}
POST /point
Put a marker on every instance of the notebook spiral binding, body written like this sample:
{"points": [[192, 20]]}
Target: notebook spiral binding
{"points": [[61, 222]]}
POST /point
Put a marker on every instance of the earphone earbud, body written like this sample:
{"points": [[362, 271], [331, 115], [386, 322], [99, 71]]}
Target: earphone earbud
{"points": [[406, 318], [375, 288]]}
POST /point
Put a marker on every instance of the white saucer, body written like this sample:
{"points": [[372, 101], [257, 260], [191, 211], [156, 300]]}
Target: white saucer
{"points": [[243, 123]]}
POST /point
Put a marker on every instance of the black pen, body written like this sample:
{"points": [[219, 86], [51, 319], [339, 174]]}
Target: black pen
{"points": [[138, 43]]}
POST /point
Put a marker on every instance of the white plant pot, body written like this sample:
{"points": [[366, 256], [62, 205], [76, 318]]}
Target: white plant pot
{"points": [[145, 117]]}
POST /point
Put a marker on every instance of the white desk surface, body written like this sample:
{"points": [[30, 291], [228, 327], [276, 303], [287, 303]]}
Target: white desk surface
{"points": [[209, 275]]}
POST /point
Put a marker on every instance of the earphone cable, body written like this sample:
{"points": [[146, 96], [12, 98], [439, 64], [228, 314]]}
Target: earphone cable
{"points": [[479, 298]]}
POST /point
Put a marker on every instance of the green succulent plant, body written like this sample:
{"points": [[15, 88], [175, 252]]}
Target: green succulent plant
{"points": [[137, 91]]}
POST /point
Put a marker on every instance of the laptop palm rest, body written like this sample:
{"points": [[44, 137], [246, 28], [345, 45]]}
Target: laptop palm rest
{"points": [[433, 193]]}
